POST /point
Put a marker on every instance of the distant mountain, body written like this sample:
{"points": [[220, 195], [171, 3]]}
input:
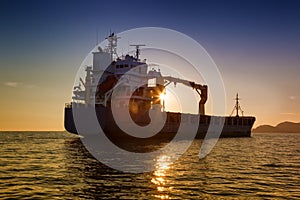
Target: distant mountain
{"points": [[284, 127]]}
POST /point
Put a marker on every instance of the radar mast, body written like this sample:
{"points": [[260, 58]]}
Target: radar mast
{"points": [[137, 50]]}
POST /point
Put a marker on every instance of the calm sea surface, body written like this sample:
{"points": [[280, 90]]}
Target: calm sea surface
{"points": [[55, 165]]}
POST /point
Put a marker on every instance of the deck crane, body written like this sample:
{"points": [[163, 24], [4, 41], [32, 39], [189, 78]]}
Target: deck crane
{"points": [[200, 89], [166, 80]]}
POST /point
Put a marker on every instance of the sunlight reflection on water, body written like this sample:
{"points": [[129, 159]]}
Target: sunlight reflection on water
{"points": [[159, 176]]}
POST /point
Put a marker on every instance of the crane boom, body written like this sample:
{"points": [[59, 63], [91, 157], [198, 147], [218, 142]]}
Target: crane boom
{"points": [[166, 80], [184, 82], [202, 93]]}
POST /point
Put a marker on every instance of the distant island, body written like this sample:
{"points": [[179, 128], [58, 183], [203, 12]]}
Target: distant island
{"points": [[284, 127]]}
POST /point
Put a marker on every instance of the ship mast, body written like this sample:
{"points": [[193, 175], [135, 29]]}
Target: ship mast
{"points": [[237, 106], [137, 50], [112, 45]]}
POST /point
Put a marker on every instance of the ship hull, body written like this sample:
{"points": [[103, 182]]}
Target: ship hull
{"points": [[233, 126]]}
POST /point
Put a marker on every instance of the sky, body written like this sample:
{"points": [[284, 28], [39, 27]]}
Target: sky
{"points": [[255, 44]]}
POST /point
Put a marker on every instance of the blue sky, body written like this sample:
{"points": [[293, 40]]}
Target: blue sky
{"points": [[256, 45]]}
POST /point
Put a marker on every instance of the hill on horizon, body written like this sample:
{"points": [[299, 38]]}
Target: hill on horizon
{"points": [[283, 127]]}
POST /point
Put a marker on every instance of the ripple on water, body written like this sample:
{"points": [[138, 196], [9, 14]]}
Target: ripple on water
{"points": [[51, 165]]}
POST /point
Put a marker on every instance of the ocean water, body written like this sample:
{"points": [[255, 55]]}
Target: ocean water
{"points": [[55, 165]]}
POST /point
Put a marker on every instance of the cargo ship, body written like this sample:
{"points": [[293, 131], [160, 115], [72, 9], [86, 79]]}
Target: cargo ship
{"points": [[104, 76]]}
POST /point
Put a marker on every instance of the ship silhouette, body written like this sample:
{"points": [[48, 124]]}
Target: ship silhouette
{"points": [[105, 76]]}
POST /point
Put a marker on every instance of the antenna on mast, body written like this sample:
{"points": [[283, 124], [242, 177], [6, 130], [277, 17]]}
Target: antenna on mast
{"points": [[237, 106], [112, 45], [137, 49]]}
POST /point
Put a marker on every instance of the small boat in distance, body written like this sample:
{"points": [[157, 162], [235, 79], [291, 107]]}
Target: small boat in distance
{"points": [[140, 101]]}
